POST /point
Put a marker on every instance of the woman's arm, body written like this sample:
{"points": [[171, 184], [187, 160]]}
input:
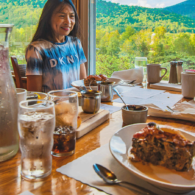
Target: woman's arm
{"points": [[83, 73], [34, 83], [34, 69]]}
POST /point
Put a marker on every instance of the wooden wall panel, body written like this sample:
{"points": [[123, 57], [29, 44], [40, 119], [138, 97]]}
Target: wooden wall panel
{"points": [[77, 3]]}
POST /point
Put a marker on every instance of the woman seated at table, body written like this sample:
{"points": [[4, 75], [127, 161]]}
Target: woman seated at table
{"points": [[55, 57]]}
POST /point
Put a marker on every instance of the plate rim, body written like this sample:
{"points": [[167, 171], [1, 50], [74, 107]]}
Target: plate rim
{"points": [[148, 179], [119, 83]]}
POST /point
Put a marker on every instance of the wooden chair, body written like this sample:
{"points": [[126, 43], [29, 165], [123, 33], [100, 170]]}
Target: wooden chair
{"points": [[19, 72]]}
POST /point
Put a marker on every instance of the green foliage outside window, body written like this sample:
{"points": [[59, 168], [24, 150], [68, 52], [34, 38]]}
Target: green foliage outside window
{"points": [[122, 33]]}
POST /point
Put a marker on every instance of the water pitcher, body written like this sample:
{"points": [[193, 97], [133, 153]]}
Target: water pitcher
{"points": [[8, 100]]}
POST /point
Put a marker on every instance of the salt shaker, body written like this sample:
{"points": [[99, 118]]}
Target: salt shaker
{"points": [[179, 71], [173, 72]]}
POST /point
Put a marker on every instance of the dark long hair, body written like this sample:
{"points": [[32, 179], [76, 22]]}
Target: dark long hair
{"points": [[44, 30]]}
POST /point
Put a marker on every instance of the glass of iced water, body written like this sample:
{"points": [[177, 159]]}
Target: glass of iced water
{"points": [[140, 62], [36, 123], [66, 109]]}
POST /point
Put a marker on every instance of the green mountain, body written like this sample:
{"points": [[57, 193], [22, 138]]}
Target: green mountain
{"points": [[21, 13], [121, 16], [186, 8]]}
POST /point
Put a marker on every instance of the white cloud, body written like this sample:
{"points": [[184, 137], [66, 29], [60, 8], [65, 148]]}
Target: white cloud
{"points": [[160, 5], [115, 1], [142, 3]]}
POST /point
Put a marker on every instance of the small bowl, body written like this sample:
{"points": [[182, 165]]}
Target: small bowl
{"points": [[135, 114]]}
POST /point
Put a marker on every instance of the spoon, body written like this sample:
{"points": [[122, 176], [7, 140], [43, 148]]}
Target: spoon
{"points": [[131, 82], [172, 109], [121, 98], [82, 88], [110, 178]]}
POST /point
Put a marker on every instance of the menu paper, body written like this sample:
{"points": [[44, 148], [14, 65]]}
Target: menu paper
{"points": [[82, 170], [157, 97], [183, 111], [142, 93], [26, 193], [110, 108]]}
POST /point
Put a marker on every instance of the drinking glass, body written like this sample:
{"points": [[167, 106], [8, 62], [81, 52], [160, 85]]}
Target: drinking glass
{"points": [[66, 108], [36, 123], [144, 82], [140, 62]]}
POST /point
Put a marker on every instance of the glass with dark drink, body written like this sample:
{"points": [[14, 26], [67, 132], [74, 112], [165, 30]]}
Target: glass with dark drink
{"points": [[66, 108]]}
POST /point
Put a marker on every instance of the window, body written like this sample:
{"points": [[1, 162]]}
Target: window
{"points": [[114, 34], [162, 32], [24, 15]]}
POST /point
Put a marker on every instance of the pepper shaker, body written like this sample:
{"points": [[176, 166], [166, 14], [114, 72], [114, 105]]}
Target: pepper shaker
{"points": [[179, 71], [173, 72]]}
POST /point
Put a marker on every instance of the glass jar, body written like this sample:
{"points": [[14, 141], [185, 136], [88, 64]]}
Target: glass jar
{"points": [[8, 100]]}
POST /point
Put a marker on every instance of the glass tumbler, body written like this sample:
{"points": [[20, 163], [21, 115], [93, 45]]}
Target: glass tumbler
{"points": [[140, 62], [66, 108], [36, 123]]}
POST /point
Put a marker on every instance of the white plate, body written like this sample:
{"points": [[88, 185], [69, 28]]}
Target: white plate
{"points": [[159, 176], [80, 83]]}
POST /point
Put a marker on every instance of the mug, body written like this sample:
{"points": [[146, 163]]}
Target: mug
{"points": [[153, 73], [187, 85]]}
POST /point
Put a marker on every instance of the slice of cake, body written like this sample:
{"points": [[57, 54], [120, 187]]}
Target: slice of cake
{"points": [[162, 146], [91, 79]]}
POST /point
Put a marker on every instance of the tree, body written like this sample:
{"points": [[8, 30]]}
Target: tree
{"points": [[129, 31]]}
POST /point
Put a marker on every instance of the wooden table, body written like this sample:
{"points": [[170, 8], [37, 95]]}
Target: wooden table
{"points": [[56, 184]]}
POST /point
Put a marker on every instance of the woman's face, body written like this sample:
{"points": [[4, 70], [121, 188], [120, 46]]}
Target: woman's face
{"points": [[62, 22]]}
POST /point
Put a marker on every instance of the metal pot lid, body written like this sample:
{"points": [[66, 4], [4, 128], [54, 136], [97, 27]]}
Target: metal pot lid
{"points": [[106, 82], [91, 93]]}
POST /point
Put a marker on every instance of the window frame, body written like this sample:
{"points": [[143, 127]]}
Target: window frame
{"points": [[88, 33]]}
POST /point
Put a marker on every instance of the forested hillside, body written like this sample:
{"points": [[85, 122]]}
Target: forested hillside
{"points": [[21, 13], [186, 8], [121, 16], [125, 32]]}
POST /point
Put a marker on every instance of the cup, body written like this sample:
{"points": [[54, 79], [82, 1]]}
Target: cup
{"points": [[36, 123], [21, 94], [134, 114], [154, 73], [66, 109], [187, 84]]}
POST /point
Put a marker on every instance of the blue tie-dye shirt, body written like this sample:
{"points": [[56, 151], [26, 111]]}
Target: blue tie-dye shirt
{"points": [[58, 63]]}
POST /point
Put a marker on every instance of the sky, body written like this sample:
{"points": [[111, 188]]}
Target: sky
{"points": [[148, 3]]}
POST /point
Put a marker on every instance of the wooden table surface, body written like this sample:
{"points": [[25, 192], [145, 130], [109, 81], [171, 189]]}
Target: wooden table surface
{"points": [[57, 184]]}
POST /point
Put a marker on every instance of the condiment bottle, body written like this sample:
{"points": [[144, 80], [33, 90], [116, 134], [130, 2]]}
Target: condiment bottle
{"points": [[173, 72], [179, 71], [8, 100]]}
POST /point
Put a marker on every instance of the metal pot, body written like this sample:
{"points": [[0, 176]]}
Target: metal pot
{"points": [[91, 101], [106, 88]]}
